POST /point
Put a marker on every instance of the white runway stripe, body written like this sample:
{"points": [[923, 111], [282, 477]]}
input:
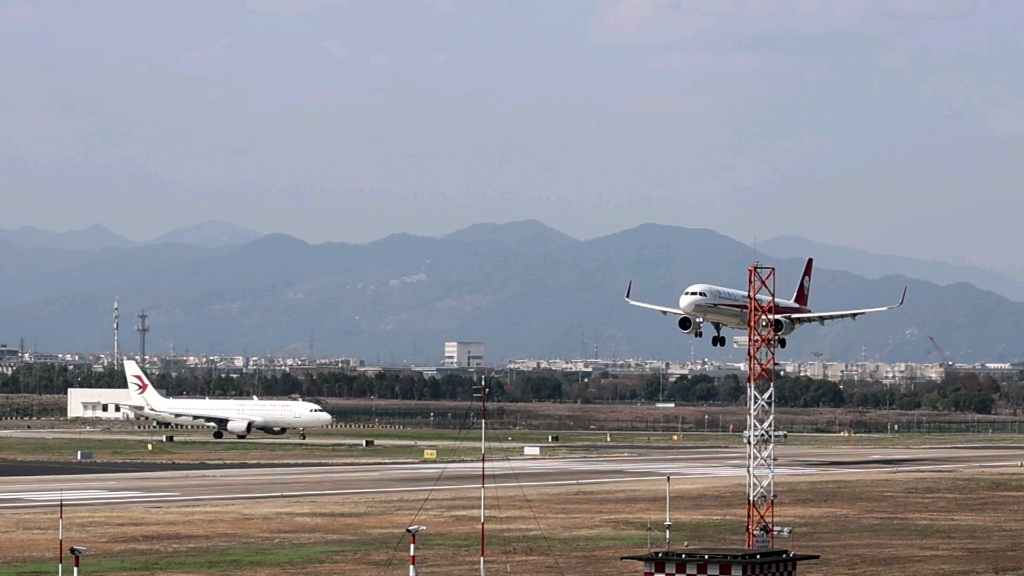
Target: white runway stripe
{"points": [[80, 495]]}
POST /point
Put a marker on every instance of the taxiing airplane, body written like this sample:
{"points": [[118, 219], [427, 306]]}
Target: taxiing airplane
{"points": [[238, 417], [725, 308]]}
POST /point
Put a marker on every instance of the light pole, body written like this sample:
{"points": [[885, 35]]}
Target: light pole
{"points": [[412, 530]]}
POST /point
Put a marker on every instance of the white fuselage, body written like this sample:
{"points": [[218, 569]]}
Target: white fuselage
{"points": [[726, 306], [262, 413]]}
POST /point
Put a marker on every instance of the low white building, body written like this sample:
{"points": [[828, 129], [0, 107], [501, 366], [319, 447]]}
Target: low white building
{"points": [[98, 403], [463, 354]]}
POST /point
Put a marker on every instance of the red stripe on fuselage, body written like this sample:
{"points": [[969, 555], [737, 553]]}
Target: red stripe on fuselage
{"points": [[779, 310]]}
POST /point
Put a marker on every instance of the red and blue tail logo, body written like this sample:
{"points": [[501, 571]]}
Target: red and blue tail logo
{"points": [[141, 386]]}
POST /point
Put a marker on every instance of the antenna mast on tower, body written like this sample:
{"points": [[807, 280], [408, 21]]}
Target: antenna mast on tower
{"points": [[142, 329]]}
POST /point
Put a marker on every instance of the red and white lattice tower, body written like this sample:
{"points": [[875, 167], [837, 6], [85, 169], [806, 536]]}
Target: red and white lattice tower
{"points": [[760, 437]]}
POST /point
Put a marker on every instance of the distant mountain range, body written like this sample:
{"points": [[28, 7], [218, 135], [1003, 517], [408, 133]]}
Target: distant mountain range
{"points": [[524, 289], [878, 265], [94, 237], [209, 234]]}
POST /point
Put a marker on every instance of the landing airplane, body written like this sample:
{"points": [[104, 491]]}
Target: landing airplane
{"points": [[725, 308], [238, 417]]}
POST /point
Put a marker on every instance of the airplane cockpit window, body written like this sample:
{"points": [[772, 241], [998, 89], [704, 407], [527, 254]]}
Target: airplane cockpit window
{"points": [[703, 294]]}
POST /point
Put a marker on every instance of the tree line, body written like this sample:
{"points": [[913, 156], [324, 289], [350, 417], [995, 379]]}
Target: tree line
{"points": [[965, 392]]}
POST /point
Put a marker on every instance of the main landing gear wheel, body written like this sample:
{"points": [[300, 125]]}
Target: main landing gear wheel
{"points": [[717, 341], [241, 436], [217, 434], [782, 343]]}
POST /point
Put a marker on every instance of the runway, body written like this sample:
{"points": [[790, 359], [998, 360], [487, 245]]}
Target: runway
{"points": [[206, 485]]}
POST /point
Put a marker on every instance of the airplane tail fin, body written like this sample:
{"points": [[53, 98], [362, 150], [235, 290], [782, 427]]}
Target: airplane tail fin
{"points": [[803, 290], [139, 387]]}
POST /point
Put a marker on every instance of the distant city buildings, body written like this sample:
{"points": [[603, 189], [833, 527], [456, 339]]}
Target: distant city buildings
{"points": [[464, 357], [897, 373]]}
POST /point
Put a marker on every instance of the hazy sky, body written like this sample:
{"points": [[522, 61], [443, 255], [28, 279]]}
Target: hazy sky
{"points": [[895, 126]]}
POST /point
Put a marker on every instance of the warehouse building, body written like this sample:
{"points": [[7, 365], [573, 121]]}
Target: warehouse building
{"points": [[464, 354], [98, 403]]}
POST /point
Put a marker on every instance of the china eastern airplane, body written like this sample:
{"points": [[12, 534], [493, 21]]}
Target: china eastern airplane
{"points": [[725, 308], [238, 417]]}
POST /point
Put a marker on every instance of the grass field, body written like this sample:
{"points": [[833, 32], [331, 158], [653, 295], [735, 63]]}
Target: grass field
{"points": [[339, 445], [963, 522]]}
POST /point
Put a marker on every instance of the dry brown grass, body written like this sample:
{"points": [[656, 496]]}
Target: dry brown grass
{"points": [[916, 524]]}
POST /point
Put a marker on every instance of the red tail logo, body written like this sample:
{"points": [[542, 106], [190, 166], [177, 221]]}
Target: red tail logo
{"points": [[140, 386], [803, 291]]}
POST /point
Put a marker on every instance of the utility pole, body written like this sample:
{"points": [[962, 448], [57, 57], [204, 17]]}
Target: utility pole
{"points": [[668, 513], [483, 463], [142, 329], [117, 326]]}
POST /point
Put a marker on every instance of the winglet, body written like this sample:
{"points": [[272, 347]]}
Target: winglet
{"points": [[629, 288], [902, 298]]}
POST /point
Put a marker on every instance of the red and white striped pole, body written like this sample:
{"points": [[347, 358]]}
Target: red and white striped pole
{"points": [[76, 565], [412, 530], [60, 537]]}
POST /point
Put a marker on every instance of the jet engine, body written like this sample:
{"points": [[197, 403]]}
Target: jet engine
{"points": [[239, 427], [687, 325], [783, 327], [274, 431]]}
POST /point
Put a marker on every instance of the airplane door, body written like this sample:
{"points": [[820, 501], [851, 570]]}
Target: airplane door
{"points": [[298, 413]]}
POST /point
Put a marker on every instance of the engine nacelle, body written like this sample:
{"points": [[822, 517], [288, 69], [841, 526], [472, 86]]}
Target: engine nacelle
{"points": [[274, 431], [242, 427], [783, 327], [687, 325]]}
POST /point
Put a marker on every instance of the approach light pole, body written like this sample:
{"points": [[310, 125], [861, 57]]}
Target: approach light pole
{"points": [[412, 530], [77, 552]]}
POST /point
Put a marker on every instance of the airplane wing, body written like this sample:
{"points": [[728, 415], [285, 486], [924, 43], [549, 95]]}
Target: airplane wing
{"points": [[663, 309], [219, 419], [822, 317]]}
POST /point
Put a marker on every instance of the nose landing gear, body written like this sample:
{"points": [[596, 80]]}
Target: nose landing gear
{"points": [[302, 433]]}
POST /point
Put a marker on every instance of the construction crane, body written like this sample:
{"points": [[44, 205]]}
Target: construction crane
{"points": [[945, 359]]}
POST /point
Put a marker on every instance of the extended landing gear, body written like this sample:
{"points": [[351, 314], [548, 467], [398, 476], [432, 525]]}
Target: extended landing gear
{"points": [[782, 343], [217, 434], [718, 339], [302, 433]]}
